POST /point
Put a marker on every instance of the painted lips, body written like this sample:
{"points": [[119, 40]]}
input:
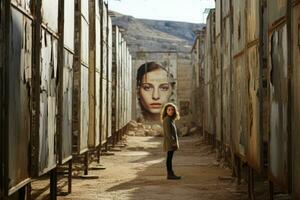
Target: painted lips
{"points": [[155, 105]]}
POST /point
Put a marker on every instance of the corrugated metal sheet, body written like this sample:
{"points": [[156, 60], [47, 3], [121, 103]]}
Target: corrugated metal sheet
{"points": [[278, 143], [296, 99]]}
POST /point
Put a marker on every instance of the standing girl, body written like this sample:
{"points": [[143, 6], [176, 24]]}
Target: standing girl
{"points": [[169, 114]]}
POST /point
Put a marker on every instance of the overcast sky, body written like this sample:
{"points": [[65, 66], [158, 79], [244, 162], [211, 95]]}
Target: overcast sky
{"points": [[173, 10]]}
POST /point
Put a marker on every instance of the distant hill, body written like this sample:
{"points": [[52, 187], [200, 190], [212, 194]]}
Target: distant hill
{"points": [[156, 35]]}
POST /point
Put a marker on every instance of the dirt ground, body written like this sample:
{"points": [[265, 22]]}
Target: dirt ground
{"points": [[138, 172]]}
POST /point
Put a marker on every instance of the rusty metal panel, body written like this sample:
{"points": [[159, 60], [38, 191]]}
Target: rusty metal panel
{"points": [[80, 79], [15, 72], [225, 8], [218, 17], [109, 44], [66, 115], [239, 27], [115, 57], [97, 111], [104, 41], [276, 11], [253, 20], [253, 151], [84, 108], [278, 141], [48, 103], [209, 77], [109, 77], [103, 112], [24, 4], [98, 39], [109, 109], [65, 67], [84, 42], [84, 7], [226, 79], [237, 128], [50, 14], [296, 99], [69, 10]]}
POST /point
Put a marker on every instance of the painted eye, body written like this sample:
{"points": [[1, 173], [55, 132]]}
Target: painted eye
{"points": [[147, 87], [164, 87]]}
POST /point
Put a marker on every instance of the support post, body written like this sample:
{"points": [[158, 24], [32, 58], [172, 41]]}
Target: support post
{"points": [[86, 163], [53, 184], [70, 177]]}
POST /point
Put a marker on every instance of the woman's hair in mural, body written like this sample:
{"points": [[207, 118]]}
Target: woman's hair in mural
{"points": [[163, 113], [148, 67]]}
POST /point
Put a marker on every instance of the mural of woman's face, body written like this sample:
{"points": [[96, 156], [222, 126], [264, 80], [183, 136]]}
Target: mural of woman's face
{"points": [[155, 90]]}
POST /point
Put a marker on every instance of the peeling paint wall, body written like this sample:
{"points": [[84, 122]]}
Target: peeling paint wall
{"points": [[65, 62], [18, 69]]}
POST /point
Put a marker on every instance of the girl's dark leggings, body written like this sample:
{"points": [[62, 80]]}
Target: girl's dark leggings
{"points": [[169, 161]]}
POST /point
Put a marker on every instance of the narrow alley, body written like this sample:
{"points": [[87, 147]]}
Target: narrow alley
{"points": [[97, 95], [138, 172]]}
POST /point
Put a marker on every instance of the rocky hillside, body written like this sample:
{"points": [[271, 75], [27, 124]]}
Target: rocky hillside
{"points": [[154, 35]]}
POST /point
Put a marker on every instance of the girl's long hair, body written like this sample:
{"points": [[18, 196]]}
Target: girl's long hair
{"points": [[163, 112]]}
